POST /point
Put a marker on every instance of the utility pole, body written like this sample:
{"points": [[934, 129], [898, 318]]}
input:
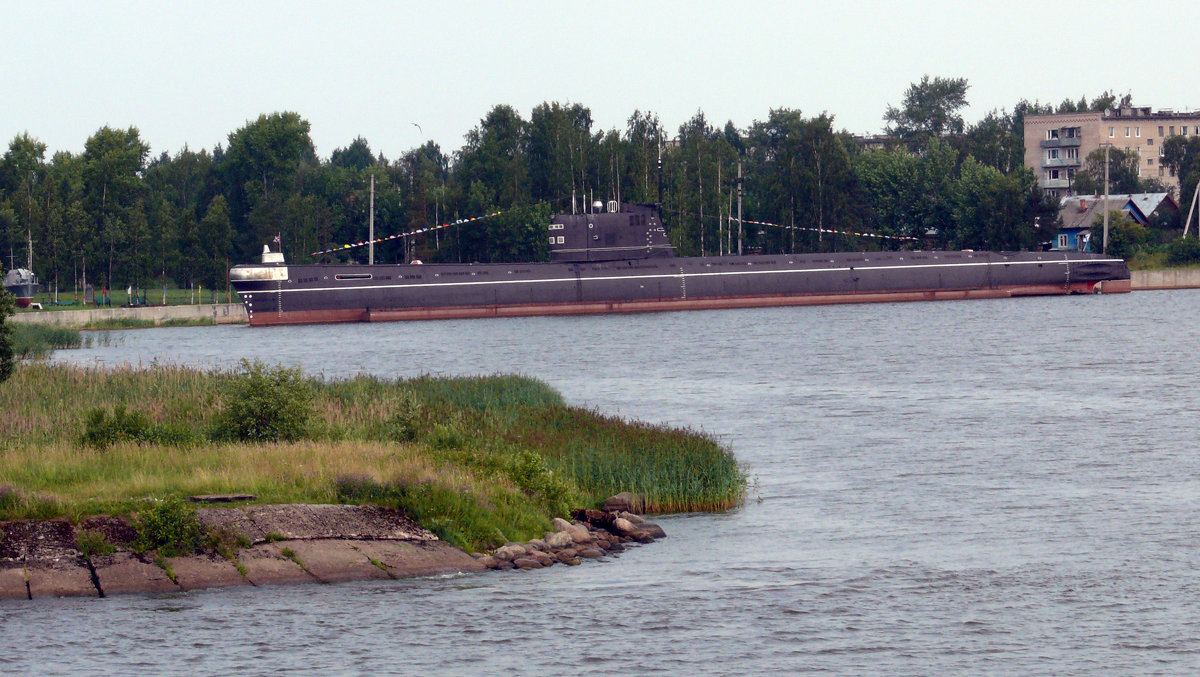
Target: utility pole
{"points": [[371, 227], [739, 186], [1104, 249]]}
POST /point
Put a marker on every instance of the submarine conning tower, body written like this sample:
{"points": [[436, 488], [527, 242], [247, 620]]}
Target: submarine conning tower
{"points": [[617, 231]]}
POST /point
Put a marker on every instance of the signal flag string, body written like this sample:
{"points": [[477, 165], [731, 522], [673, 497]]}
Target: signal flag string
{"points": [[408, 234], [827, 230]]}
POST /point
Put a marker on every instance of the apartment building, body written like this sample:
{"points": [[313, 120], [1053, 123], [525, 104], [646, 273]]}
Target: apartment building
{"points": [[1056, 145]]}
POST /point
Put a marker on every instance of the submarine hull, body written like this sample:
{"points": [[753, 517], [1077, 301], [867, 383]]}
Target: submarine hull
{"points": [[280, 294]]}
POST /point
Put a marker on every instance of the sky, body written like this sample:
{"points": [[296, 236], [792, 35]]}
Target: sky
{"points": [[403, 73]]}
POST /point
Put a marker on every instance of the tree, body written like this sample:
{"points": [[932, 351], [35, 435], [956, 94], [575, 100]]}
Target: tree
{"points": [[112, 172], [1122, 173], [1181, 156], [988, 209], [356, 156], [930, 110]]}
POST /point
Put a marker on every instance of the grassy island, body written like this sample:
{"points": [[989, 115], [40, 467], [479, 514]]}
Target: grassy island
{"points": [[478, 461]]}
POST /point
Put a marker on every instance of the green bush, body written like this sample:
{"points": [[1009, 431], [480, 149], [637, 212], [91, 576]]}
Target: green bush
{"points": [[92, 543], [170, 527], [1184, 251], [265, 404], [102, 429]]}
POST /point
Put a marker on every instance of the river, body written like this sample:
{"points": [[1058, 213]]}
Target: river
{"points": [[958, 487]]}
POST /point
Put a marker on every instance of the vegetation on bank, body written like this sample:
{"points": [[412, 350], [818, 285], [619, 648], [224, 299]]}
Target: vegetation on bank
{"points": [[478, 461]]}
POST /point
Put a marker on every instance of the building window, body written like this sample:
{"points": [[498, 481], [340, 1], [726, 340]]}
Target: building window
{"points": [[1172, 130], [1160, 170], [1052, 154], [1149, 161], [1053, 174], [1150, 141], [1071, 153], [1127, 132], [1112, 131], [1183, 130], [560, 239], [551, 239], [1160, 128], [1137, 131], [1063, 241], [1051, 134]]}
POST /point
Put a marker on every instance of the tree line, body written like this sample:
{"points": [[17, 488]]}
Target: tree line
{"points": [[119, 216]]}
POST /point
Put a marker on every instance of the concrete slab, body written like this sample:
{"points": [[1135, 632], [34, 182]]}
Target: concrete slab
{"points": [[335, 521], [205, 571], [421, 558], [336, 560], [12, 583], [62, 580], [266, 565], [234, 520], [122, 572]]}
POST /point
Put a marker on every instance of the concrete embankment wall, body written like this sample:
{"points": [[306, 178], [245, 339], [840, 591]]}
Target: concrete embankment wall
{"points": [[1180, 278], [218, 313]]}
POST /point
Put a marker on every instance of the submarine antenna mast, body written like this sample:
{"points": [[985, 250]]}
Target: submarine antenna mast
{"points": [[739, 187]]}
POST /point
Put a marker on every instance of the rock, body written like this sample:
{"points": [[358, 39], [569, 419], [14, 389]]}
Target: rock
{"points": [[591, 553], [642, 537], [542, 558], [617, 547], [579, 534], [622, 502], [624, 526], [559, 539], [510, 552], [489, 561], [502, 565], [536, 544], [636, 519], [570, 561], [502, 555], [527, 563], [653, 530], [561, 524], [566, 556]]}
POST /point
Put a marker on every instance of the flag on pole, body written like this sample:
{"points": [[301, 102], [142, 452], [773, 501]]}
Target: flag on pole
{"points": [[277, 240]]}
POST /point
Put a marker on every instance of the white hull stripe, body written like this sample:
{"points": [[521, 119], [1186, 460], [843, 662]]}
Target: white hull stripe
{"points": [[684, 275]]}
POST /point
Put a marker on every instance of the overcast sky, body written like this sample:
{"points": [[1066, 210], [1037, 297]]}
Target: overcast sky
{"points": [[191, 73]]}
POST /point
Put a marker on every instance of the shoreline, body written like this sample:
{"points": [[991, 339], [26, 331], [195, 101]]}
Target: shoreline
{"points": [[277, 545]]}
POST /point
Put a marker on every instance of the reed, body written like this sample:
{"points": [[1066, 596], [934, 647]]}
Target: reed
{"points": [[478, 460]]}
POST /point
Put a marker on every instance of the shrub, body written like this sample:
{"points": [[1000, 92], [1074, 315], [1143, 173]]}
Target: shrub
{"points": [[265, 404], [103, 429], [1184, 251], [406, 419], [92, 543], [170, 527]]}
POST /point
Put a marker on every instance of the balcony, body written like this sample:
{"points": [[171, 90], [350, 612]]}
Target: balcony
{"points": [[1061, 143], [1060, 162], [1055, 183]]}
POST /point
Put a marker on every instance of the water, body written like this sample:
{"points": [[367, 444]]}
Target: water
{"points": [[970, 487]]}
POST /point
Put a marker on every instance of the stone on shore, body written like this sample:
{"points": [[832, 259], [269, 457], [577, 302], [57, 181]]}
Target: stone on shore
{"points": [[12, 583], [591, 553], [335, 560], [205, 571], [266, 565], [123, 572], [624, 526], [61, 579], [559, 539], [422, 558], [579, 533], [527, 563], [561, 524], [624, 502]]}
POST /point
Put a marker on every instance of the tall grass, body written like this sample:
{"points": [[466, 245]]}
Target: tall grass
{"points": [[478, 460], [35, 341]]}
